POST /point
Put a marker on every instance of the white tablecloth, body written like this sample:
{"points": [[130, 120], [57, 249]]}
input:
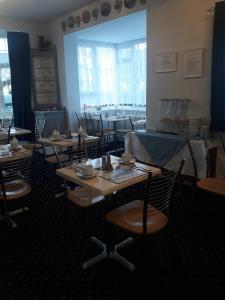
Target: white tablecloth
{"points": [[134, 146]]}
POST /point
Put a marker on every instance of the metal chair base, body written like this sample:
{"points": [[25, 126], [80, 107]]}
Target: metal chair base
{"points": [[12, 213], [112, 254]]}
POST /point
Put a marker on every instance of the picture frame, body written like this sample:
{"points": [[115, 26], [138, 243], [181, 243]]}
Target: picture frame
{"points": [[165, 62], [45, 84], [193, 63]]}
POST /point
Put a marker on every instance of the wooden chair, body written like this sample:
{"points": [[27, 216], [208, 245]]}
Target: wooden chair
{"points": [[15, 183], [107, 135], [6, 122], [80, 153], [212, 185], [209, 184], [124, 131], [91, 126], [200, 158], [77, 120], [222, 139], [144, 217], [40, 125]]}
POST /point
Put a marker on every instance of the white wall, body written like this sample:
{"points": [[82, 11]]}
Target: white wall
{"points": [[33, 29], [178, 25], [172, 25]]}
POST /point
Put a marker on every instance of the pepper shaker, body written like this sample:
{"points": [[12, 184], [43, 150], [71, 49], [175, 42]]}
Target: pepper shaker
{"points": [[108, 163], [103, 162]]}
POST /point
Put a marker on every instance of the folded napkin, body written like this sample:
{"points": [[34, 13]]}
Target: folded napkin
{"points": [[4, 152]]}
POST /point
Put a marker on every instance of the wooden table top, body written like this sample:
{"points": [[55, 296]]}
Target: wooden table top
{"points": [[66, 142], [19, 153], [15, 131], [101, 185], [213, 185]]}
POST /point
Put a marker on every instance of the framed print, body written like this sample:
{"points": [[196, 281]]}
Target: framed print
{"points": [[46, 99], [193, 63], [45, 86], [44, 74], [165, 62], [45, 83]]}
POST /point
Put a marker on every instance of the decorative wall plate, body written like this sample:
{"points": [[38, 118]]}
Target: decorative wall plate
{"points": [[95, 13], [105, 9], [129, 3], [70, 22], [118, 5], [78, 20], [86, 16], [64, 26]]}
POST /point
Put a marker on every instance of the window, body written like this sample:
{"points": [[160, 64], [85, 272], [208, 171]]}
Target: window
{"points": [[112, 73], [5, 77]]}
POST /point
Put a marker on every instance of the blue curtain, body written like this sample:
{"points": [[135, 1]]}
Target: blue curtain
{"points": [[20, 66], [218, 70]]}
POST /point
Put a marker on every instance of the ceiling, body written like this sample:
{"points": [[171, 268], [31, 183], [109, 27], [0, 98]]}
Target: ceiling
{"points": [[38, 10], [128, 28]]}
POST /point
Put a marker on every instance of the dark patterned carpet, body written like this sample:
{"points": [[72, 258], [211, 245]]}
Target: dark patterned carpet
{"points": [[41, 259]]}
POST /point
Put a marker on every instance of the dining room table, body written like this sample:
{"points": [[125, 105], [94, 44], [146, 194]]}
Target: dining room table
{"points": [[166, 149], [14, 131], [112, 119], [63, 142], [122, 175]]}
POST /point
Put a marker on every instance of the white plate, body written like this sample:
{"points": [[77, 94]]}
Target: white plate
{"points": [[86, 176]]}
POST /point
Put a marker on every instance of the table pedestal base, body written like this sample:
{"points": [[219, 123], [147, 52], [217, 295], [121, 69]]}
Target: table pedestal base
{"points": [[10, 221], [111, 254]]}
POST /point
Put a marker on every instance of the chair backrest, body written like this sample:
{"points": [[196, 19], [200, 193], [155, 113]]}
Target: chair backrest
{"points": [[10, 125], [39, 128], [18, 168], [222, 139], [89, 123], [6, 122], [77, 119], [131, 123], [200, 158], [76, 154], [158, 192]]}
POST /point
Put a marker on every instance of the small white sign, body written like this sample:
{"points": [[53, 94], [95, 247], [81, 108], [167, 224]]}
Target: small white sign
{"points": [[193, 63], [165, 62]]}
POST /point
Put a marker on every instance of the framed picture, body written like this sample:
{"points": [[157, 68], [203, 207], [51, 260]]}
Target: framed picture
{"points": [[45, 83], [165, 62], [193, 63]]}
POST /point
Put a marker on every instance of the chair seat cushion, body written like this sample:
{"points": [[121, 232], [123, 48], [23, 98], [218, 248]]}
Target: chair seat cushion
{"points": [[213, 185], [15, 189], [84, 197], [130, 218], [53, 159]]}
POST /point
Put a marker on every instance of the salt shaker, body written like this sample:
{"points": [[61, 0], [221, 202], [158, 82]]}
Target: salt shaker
{"points": [[108, 163]]}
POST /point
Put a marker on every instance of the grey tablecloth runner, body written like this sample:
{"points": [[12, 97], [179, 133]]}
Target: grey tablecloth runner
{"points": [[161, 146]]}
